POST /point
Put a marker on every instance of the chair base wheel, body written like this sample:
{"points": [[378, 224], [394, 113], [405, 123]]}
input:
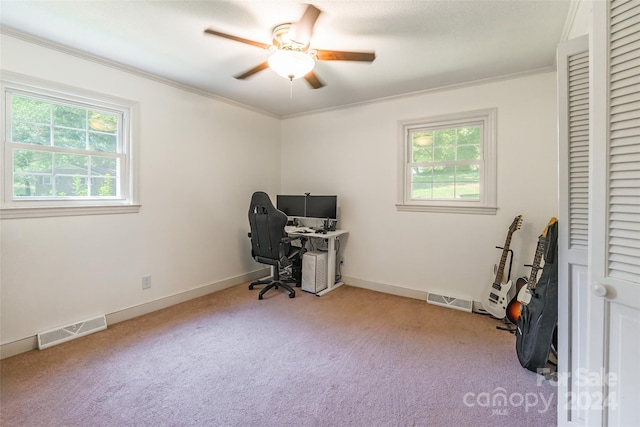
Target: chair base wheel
{"points": [[273, 284]]}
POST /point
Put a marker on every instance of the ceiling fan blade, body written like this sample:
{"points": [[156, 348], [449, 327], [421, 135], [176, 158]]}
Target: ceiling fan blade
{"points": [[336, 55], [313, 80], [252, 71], [301, 31], [238, 39]]}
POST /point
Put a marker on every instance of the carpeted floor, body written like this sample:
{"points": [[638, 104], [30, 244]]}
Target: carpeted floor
{"points": [[353, 357]]}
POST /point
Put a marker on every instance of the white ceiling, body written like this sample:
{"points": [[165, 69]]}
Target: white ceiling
{"points": [[419, 45]]}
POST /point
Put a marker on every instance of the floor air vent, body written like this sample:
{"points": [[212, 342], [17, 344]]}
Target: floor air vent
{"points": [[67, 333], [450, 302]]}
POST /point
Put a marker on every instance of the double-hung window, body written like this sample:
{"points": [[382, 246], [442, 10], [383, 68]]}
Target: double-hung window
{"points": [[65, 153], [447, 163]]}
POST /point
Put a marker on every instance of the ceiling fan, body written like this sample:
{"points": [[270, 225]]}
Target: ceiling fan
{"points": [[292, 57]]}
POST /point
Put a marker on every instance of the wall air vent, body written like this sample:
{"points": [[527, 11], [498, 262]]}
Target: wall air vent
{"points": [[450, 302], [70, 332]]}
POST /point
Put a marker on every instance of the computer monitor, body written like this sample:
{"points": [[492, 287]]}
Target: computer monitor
{"points": [[322, 207], [292, 206]]}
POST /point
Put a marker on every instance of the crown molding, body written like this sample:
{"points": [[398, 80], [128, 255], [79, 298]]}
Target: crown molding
{"points": [[12, 32]]}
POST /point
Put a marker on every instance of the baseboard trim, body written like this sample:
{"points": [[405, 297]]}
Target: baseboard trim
{"points": [[385, 288], [398, 290], [31, 343]]}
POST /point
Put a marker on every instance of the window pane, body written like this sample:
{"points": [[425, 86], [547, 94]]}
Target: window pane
{"points": [[468, 152], [445, 154], [103, 187], [29, 185], [72, 186], [444, 190], [69, 138], [30, 110], [468, 190], [446, 137], [468, 173], [422, 174], [469, 135], [422, 139], [421, 190], [70, 117], [31, 133], [444, 173], [103, 122], [102, 166], [72, 164], [25, 161], [103, 142]]}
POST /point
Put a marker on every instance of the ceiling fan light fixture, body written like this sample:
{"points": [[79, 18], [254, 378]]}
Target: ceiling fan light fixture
{"points": [[291, 64]]}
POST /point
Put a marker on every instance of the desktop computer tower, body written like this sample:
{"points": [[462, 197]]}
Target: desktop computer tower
{"points": [[314, 272]]}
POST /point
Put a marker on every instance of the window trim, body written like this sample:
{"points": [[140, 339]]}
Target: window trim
{"points": [[487, 204], [11, 208]]}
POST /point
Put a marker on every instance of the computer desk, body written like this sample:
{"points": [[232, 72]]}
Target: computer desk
{"points": [[331, 237]]}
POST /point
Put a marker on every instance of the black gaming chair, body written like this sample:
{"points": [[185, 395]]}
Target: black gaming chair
{"points": [[270, 244]]}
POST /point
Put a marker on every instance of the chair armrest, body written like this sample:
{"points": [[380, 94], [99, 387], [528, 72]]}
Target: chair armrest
{"points": [[290, 239]]}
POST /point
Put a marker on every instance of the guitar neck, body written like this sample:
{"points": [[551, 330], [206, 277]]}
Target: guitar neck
{"points": [[531, 283], [503, 259]]}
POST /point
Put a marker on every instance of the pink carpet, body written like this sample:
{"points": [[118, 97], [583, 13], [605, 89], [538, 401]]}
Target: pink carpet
{"points": [[353, 357]]}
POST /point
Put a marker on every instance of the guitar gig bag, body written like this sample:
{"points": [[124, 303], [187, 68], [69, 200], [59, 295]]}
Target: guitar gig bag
{"points": [[538, 320]]}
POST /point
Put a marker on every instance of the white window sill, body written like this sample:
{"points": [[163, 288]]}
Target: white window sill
{"points": [[478, 210], [52, 211]]}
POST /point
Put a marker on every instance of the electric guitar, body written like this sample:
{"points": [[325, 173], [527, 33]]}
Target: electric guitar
{"points": [[514, 309], [498, 294]]}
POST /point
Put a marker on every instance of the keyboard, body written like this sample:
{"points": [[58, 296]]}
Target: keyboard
{"points": [[294, 229]]}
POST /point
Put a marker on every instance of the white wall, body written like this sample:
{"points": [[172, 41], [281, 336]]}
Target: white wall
{"points": [[199, 162], [352, 152]]}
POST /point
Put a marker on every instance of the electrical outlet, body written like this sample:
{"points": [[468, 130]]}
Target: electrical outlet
{"points": [[146, 282]]}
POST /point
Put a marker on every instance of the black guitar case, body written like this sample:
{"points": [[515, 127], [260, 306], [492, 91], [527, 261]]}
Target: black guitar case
{"points": [[537, 322]]}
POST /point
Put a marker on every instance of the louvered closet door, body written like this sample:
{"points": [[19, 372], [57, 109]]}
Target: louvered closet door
{"points": [[614, 260], [573, 217]]}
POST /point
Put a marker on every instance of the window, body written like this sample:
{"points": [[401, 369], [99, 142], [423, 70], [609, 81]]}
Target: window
{"points": [[65, 152], [447, 163]]}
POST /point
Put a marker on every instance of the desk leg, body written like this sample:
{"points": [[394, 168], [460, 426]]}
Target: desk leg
{"points": [[331, 267]]}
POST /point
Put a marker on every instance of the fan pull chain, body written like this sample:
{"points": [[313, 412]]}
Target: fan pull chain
{"points": [[290, 87]]}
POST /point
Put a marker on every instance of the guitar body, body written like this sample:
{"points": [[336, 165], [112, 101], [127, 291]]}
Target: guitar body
{"points": [[515, 306], [499, 296]]}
